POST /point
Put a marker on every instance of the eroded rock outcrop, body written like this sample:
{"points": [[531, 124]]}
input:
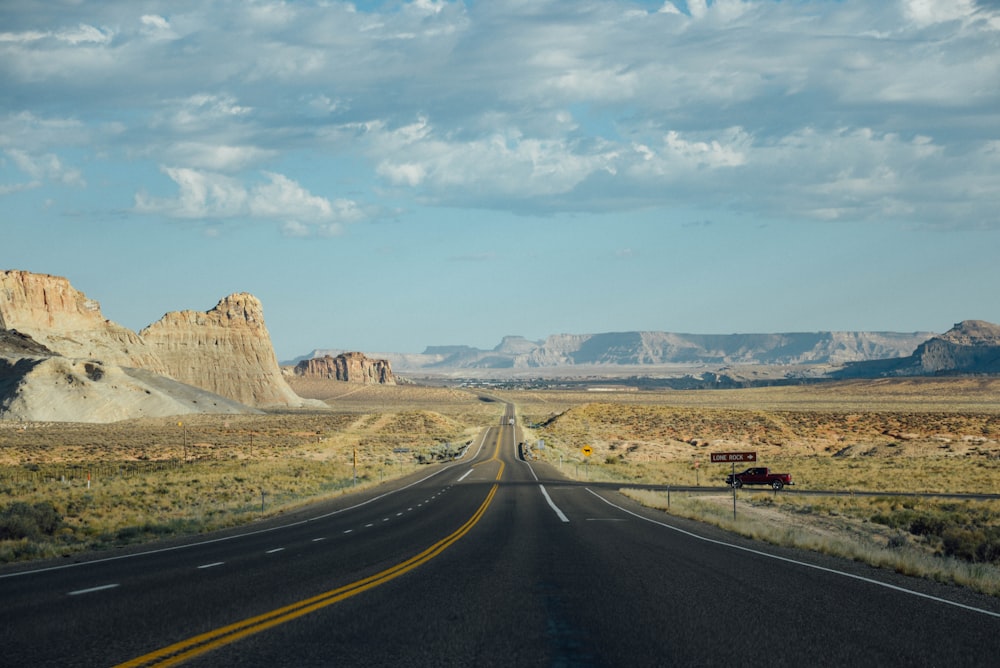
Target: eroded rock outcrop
{"points": [[351, 367], [970, 347], [226, 350], [64, 320], [60, 359]]}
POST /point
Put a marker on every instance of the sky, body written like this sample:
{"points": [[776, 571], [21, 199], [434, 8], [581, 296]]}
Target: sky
{"points": [[387, 176]]}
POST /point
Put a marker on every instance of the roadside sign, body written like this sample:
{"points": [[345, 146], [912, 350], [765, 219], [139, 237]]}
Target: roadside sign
{"points": [[732, 458], [587, 451], [727, 457]]}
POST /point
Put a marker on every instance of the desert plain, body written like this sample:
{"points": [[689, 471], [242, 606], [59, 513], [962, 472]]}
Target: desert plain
{"points": [[900, 473]]}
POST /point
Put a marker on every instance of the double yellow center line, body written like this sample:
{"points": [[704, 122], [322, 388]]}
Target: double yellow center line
{"points": [[177, 653]]}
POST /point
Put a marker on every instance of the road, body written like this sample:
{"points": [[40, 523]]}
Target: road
{"points": [[489, 561]]}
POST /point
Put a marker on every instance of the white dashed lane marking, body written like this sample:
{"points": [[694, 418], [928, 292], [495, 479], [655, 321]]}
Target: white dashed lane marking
{"points": [[91, 590]]}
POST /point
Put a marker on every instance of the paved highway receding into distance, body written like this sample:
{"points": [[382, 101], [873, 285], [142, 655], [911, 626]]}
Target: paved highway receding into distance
{"points": [[490, 560]]}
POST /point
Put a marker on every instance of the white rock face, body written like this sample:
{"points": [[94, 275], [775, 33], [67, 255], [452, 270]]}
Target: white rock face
{"points": [[60, 317], [226, 350], [61, 360], [58, 389]]}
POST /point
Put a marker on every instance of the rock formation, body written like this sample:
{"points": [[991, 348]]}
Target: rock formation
{"points": [[970, 347], [350, 367], [226, 350], [61, 318], [60, 359]]}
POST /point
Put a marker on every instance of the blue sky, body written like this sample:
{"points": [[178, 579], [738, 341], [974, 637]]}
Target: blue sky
{"points": [[386, 176]]}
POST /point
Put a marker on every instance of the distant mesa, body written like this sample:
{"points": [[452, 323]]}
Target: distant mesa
{"points": [[61, 360], [612, 351], [695, 361], [970, 347], [352, 367]]}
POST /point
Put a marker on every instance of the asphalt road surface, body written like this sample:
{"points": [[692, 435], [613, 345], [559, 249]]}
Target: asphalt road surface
{"points": [[489, 561]]}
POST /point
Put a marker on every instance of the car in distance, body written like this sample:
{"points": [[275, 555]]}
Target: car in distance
{"points": [[760, 475]]}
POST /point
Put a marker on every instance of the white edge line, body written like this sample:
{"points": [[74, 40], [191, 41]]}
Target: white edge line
{"points": [[91, 590], [554, 507], [241, 535], [545, 493], [212, 565], [800, 563]]}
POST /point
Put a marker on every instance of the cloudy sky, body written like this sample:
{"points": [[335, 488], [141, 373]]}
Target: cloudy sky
{"points": [[385, 176]]}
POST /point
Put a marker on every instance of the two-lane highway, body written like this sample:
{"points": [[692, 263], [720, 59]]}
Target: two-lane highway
{"points": [[489, 561]]}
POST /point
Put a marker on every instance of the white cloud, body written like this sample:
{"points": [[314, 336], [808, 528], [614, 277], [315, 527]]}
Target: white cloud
{"points": [[208, 195], [283, 198], [203, 111], [85, 34], [81, 34], [46, 166], [493, 166], [407, 174], [217, 157], [202, 195], [928, 12], [697, 8], [156, 27], [828, 108], [10, 188], [22, 37]]}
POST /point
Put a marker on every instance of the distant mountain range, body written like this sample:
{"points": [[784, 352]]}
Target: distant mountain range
{"points": [[971, 346], [620, 349]]}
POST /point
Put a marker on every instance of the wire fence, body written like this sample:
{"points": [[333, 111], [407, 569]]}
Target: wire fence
{"points": [[67, 473]]}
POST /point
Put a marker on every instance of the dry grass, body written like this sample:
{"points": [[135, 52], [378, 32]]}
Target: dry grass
{"points": [[892, 436], [162, 477], [839, 527], [913, 436]]}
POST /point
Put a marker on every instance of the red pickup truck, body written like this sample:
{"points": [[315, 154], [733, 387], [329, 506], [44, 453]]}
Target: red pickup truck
{"points": [[759, 476]]}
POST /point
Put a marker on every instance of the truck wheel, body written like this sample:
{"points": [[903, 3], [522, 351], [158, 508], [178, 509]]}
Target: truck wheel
{"points": [[737, 484], [777, 484]]}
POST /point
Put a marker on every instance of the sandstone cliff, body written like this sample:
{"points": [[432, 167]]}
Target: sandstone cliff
{"points": [[970, 347], [61, 318], [351, 367], [60, 359], [226, 350]]}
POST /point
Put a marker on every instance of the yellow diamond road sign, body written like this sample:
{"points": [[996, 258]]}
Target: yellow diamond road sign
{"points": [[587, 450]]}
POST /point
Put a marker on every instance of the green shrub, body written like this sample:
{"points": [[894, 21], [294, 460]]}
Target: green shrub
{"points": [[22, 520], [974, 545]]}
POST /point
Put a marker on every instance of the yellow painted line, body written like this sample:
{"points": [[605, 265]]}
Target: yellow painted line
{"points": [[179, 652]]}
